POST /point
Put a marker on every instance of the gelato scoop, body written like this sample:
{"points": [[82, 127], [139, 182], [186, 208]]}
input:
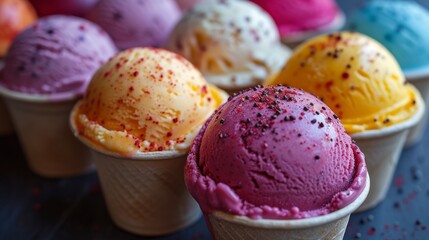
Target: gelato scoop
{"points": [[15, 16], [134, 23], [288, 158], [66, 7], [296, 16], [234, 43], [56, 56], [401, 26], [186, 4], [355, 76], [145, 100]]}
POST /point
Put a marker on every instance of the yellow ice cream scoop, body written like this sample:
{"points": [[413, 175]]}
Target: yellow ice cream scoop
{"points": [[145, 100], [355, 76]]}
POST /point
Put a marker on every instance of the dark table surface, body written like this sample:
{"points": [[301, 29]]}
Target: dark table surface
{"points": [[32, 207]]}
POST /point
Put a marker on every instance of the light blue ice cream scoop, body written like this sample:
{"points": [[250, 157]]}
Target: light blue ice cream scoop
{"points": [[401, 26]]}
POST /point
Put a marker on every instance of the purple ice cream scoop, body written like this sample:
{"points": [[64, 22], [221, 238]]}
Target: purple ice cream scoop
{"points": [[56, 56], [136, 23], [274, 153]]}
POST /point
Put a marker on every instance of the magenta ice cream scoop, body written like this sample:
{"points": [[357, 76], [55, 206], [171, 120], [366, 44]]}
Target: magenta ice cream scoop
{"points": [[274, 153], [56, 56], [133, 23], [67, 7]]}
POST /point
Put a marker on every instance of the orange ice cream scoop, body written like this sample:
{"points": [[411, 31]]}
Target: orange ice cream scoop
{"points": [[15, 16], [355, 76], [145, 100]]}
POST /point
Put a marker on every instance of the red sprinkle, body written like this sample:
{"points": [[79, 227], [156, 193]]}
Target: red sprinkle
{"points": [[345, 75], [106, 74], [136, 73], [37, 206], [36, 191], [371, 231]]}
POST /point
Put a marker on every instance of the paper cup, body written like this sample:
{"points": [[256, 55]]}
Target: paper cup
{"points": [[382, 149], [145, 193], [298, 38], [421, 82], [43, 130], [331, 226]]}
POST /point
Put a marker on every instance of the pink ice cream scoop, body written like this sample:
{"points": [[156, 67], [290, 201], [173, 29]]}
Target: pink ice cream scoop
{"points": [[133, 23], [274, 153], [295, 16], [56, 56], [67, 7]]}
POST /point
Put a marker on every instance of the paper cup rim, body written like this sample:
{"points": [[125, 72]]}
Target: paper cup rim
{"points": [[298, 223], [155, 156], [336, 24], [37, 98], [409, 123]]}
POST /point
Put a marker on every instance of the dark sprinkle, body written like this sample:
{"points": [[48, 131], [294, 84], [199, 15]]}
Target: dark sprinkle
{"points": [[259, 114], [299, 134], [117, 16], [222, 121], [317, 113], [313, 121], [305, 109], [255, 105], [386, 121], [396, 205], [321, 125], [292, 118], [317, 157]]}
